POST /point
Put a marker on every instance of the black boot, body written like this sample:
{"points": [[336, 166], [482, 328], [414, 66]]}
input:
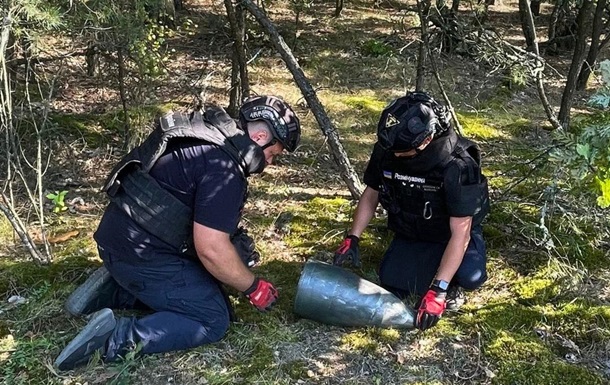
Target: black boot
{"points": [[455, 298], [91, 339], [97, 292]]}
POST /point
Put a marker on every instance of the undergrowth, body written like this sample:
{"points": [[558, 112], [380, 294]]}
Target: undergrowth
{"points": [[542, 317]]}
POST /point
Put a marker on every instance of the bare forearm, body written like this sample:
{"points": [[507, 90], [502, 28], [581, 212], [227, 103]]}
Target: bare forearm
{"points": [[227, 267], [219, 257], [364, 211], [456, 247]]}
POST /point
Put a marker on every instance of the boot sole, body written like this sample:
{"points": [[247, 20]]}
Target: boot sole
{"points": [[101, 323], [77, 301]]}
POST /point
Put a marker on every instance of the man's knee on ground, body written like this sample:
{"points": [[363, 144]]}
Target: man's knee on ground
{"points": [[220, 329], [211, 332], [473, 280]]}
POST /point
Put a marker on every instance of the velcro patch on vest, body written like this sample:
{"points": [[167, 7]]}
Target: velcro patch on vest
{"points": [[415, 181], [409, 178], [169, 121]]}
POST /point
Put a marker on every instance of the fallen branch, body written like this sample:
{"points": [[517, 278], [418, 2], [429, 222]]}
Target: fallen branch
{"points": [[19, 228], [348, 174]]}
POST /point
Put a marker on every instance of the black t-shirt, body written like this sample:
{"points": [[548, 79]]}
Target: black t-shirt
{"points": [[462, 196], [203, 177]]}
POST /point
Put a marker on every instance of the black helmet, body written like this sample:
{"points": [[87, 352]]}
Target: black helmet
{"points": [[407, 121], [278, 115]]}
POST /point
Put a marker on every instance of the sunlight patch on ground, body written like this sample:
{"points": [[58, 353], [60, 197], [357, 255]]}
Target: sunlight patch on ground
{"points": [[478, 128], [6, 230]]}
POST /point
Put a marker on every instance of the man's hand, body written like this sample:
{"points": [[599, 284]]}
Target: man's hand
{"points": [[348, 251], [262, 294], [431, 307]]}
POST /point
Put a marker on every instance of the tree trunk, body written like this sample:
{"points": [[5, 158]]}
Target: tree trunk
{"points": [[423, 8], [562, 28], [236, 17], [235, 94], [338, 7], [92, 59], [123, 94], [348, 174], [523, 15], [552, 28], [584, 15], [535, 7], [594, 49]]}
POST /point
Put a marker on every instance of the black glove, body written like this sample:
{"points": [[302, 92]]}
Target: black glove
{"points": [[348, 251], [244, 245]]}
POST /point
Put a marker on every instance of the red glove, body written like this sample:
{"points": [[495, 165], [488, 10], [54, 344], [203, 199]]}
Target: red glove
{"points": [[348, 252], [262, 294], [431, 307]]}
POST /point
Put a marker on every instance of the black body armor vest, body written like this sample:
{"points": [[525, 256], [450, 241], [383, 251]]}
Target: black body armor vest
{"points": [[417, 205], [155, 209]]}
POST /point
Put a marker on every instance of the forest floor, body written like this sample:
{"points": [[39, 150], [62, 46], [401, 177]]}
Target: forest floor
{"points": [[542, 317]]}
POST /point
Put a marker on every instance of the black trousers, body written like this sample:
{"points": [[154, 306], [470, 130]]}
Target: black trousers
{"points": [[188, 304], [408, 267]]}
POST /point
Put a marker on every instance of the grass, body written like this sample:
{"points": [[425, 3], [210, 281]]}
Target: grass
{"points": [[542, 318]]}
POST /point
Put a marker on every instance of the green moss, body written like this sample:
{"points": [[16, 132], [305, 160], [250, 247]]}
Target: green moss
{"points": [[477, 127], [387, 336], [519, 127], [368, 104], [313, 223], [516, 347], [495, 237], [256, 346], [580, 320], [522, 357], [536, 290], [580, 239], [325, 205], [523, 371], [360, 340], [508, 211], [370, 339], [322, 222], [499, 315], [526, 359], [259, 359], [80, 126], [23, 274]]}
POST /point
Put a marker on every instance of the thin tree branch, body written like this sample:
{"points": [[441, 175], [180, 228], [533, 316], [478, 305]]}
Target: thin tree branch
{"points": [[347, 172], [539, 84]]}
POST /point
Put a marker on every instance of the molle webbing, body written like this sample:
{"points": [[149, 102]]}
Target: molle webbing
{"points": [[155, 209], [142, 198]]}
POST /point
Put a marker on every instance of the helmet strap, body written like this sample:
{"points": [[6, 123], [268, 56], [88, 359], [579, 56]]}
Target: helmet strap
{"points": [[271, 143]]}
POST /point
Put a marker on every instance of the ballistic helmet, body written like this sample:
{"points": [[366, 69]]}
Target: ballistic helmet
{"points": [[280, 118], [407, 121]]}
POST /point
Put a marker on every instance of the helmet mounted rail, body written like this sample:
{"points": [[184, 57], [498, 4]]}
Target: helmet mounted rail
{"points": [[409, 120], [280, 118]]}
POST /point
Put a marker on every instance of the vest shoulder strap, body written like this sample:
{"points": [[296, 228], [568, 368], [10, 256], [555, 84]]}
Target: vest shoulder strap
{"points": [[467, 152]]}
